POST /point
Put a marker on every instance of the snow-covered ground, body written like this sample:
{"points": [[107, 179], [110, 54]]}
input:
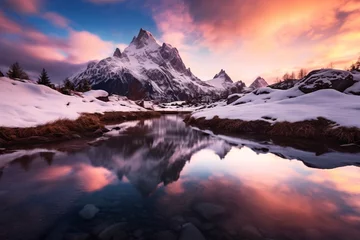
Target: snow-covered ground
{"points": [[25, 104], [290, 105], [178, 106]]}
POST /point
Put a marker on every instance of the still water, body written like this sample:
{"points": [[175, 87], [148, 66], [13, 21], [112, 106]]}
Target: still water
{"points": [[151, 178]]}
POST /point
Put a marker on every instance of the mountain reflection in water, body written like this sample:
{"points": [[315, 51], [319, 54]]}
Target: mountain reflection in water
{"points": [[154, 171]]}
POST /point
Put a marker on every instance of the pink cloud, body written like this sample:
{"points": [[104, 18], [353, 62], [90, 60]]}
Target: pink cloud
{"points": [[27, 6], [7, 25], [56, 19], [85, 46], [253, 37]]}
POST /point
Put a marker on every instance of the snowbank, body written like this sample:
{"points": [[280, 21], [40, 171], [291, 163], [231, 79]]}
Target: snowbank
{"points": [[96, 93], [290, 105], [24, 104]]}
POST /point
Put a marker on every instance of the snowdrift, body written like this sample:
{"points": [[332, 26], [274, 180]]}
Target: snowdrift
{"points": [[25, 104]]}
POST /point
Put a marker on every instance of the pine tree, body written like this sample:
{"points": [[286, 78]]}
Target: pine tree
{"points": [[1, 74], [69, 84], [86, 85], [83, 86], [44, 79], [15, 71]]}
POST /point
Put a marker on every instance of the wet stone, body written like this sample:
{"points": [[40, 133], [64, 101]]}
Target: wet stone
{"points": [[77, 236], [251, 232], [176, 223], [88, 212], [115, 231], [209, 210], [138, 233], [190, 232], [164, 235]]}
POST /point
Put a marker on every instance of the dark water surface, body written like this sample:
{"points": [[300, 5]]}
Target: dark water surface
{"points": [[152, 177]]}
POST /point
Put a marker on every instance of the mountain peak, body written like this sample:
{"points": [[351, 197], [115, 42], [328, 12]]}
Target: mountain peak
{"points": [[223, 74], [144, 38], [117, 53], [258, 83]]}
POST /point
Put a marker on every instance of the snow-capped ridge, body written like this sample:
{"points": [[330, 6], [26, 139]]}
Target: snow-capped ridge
{"points": [[143, 39], [224, 75]]}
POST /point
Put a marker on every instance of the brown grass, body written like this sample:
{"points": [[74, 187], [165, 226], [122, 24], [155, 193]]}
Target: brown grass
{"points": [[311, 129], [87, 125]]}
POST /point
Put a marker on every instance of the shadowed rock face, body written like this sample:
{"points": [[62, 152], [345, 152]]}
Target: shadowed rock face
{"points": [[117, 53]]}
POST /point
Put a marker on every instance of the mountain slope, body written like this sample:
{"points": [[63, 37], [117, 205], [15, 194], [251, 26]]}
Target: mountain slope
{"points": [[145, 70]]}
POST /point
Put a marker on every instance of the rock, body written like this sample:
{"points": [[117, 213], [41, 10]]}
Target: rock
{"points": [[115, 231], [232, 98], [88, 212], [138, 233], [197, 223], [326, 79], [164, 235], [209, 210], [77, 236], [190, 232], [176, 223], [251, 232], [117, 53], [76, 136], [207, 226]]}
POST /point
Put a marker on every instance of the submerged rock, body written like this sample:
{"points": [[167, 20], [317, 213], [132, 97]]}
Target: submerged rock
{"points": [[176, 223], [77, 236], [115, 231], [251, 232], [190, 232], [209, 210], [164, 235], [88, 212]]}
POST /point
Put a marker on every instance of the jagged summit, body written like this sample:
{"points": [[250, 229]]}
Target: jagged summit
{"points": [[224, 75], [117, 53], [144, 38], [148, 70], [258, 83]]}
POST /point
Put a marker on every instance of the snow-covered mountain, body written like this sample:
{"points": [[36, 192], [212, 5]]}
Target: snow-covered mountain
{"points": [[258, 83], [223, 83], [145, 70]]}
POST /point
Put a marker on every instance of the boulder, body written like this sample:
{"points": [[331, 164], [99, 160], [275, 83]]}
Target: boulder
{"points": [[190, 232], [326, 79], [209, 210], [115, 231], [251, 232], [164, 235], [88, 212], [232, 98]]}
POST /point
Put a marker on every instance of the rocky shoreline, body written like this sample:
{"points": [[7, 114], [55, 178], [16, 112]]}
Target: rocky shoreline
{"points": [[88, 125], [319, 129]]}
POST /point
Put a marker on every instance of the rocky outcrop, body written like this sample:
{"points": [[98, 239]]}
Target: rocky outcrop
{"points": [[286, 84], [326, 79], [117, 53]]}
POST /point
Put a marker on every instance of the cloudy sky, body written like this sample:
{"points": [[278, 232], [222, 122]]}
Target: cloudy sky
{"points": [[247, 38]]}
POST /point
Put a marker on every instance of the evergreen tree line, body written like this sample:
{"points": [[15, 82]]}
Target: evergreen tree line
{"points": [[16, 72]]}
